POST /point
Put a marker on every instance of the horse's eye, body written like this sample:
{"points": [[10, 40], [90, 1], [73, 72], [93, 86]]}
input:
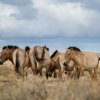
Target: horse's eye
{"points": [[4, 54]]}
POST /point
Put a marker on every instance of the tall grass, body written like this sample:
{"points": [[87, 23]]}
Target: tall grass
{"points": [[38, 88]]}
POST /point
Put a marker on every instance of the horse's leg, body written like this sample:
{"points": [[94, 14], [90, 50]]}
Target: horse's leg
{"points": [[91, 74], [60, 73], [55, 74], [77, 73], [25, 71], [47, 73], [40, 71], [21, 72], [34, 67], [16, 72], [95, 74], [82, 71]]}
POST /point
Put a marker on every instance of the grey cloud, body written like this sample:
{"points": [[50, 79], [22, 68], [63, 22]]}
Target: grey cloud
{"points": [[25, 7], [51, 20], [16, 2], [90, 4], [27, 12]]}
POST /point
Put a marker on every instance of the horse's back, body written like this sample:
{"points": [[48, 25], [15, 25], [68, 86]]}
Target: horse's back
{"points": [[90, 55], [91, 59], [21, 54]]}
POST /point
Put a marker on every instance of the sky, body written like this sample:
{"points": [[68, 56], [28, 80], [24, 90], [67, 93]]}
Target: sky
{"points": [[61, 44], [49, 18], [69, 20]]}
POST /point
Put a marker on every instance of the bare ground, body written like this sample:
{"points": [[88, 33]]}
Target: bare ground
{"points": [[38, 88]]}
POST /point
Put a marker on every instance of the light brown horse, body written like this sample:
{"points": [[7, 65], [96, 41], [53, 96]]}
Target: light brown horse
{"points": [[57, 63], [21, 62], [39, 58], [85, 61], [17, 56]]}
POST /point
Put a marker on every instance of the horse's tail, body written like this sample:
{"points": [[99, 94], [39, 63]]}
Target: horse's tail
{"points": [[17, 63], [98, 62]]}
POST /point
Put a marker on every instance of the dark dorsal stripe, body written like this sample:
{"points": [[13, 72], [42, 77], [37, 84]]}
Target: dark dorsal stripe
{"points": [[10, 47], [74, 48], [27, 48], [54, 54]]}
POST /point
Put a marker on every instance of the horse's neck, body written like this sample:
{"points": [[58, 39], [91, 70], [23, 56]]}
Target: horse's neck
{"points": [[76, 57], [11, 59], [46, 55]]}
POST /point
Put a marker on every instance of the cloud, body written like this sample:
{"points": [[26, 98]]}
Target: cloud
{"points": [[16, 2], [49, 18]]}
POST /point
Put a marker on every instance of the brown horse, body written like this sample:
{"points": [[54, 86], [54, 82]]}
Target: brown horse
{"points": [[52, 65], [85, 61], [39, 58], [17, 56]]}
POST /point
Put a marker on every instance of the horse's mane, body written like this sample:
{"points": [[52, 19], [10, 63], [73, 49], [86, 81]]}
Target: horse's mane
{"points": [[55, 52], [9, 47], [46, 48], [74, 48], [27, 48]]}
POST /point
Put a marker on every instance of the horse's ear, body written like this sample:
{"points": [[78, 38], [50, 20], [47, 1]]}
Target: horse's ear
{"points": [[27, 48], [46, 47]]}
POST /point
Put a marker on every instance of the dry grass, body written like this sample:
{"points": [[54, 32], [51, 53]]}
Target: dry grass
{"points": [[38, 88]]}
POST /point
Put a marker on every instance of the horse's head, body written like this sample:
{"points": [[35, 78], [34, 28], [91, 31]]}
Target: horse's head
{"points": [[70, 54], [6, 53]]}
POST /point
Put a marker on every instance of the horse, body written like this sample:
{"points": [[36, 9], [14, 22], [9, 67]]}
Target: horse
{"points": [[39, 58], [21, 62], [52, 65], [17, 56], [57, 63], [84, 61]]}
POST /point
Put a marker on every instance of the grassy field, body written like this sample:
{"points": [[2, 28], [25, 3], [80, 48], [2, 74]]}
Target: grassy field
{"points": [[38, 88]]}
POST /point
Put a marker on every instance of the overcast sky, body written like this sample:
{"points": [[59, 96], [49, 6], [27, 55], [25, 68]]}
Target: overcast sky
{"points": [[49, 18]]}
